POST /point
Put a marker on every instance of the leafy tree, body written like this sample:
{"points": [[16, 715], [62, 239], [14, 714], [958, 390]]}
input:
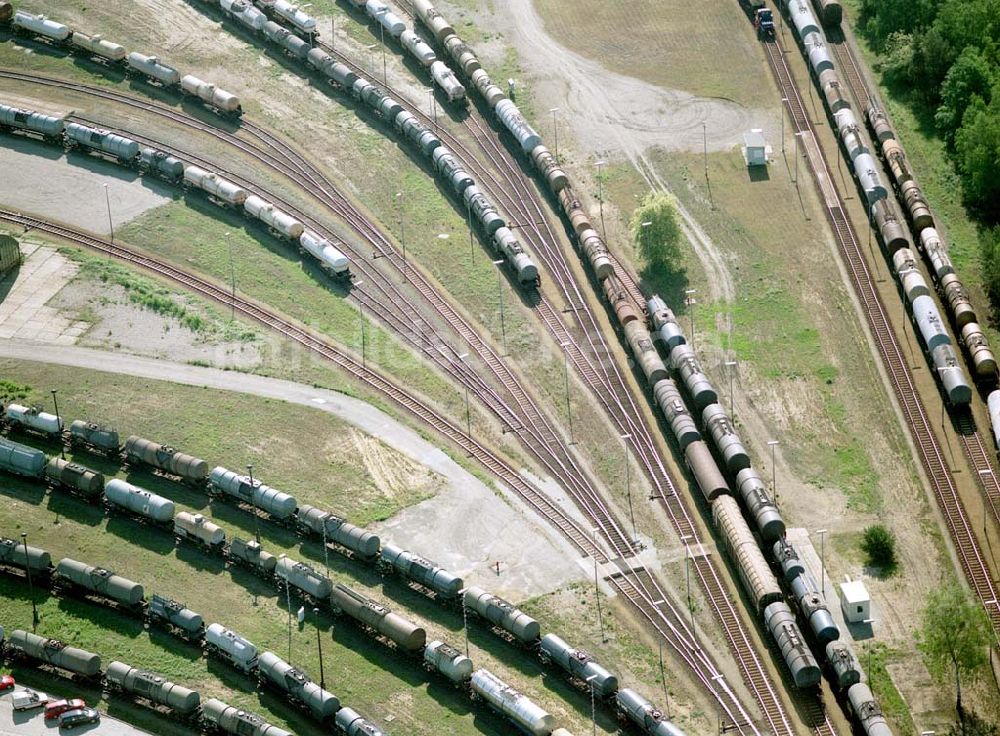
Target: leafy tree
{"points": [[973, 725], [955, 638], [989, 257], [896, 62], [659, 241], [969, 76], [977, 149], [933, 55], [879, 544], [881, 18]]}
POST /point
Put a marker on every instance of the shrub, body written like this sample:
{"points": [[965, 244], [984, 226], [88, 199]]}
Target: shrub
{"points": [[879, 544]]}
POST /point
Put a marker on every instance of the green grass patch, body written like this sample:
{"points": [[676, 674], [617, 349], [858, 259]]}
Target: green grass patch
{"points": [[874, 659]]}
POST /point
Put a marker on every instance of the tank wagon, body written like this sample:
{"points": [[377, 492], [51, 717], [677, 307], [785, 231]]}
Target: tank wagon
{"points": [[29, 122], [19, 459], [272, 670], [330, 528], [421, 571], [867, 710], [176, 618], [351, 723], [53, 653], [579, 665], [303, 579], [448, 661], [6, 12], [635, 709], [844, 664], [512, 705], [230, 647], [223, 102], [161, 164], [406, 635], [139, 451], [780, 622], [149, 686], [196, 528], [279, 223], [807, 593], [251, 555], [228, 484], [217, 716], [97, 47], [737, 539], [108, 145], [138, 502], [74, 477], [330, 258], [40, 27], [504, 616], [32, 420], [94, 437], [152, 69], [22, 557], [100, 584]]}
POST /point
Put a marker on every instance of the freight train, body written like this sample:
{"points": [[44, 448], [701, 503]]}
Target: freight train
{"points": [[216, 189]]}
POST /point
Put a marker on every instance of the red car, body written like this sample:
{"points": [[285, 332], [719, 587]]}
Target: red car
{"points": [[57, 707], [6, 682]]}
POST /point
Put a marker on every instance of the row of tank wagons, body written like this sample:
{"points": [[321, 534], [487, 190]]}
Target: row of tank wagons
{"points": [[147, 160], [953, 293], [456, 178], [441, 74], [926, 315], [160, 693], [150, 67]]}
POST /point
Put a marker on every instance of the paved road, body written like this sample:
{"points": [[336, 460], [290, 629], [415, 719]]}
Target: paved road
{"points": [[490, 530], [33, 723]]}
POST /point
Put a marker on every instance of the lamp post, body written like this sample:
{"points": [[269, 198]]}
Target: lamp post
{"points": [[731, 365], [600, 197], [432, 103], [983, 474], [593, 707], [687, 576], [402, 230], [555, 130], [465, 625], [111, 225], [288, 605], [371, 58], [643, 227], [569, 408], [319, 646], [468, 413], [597, 589], [822, 560], [381, 25], [689, 302], [253, 503], [774, 471], [472, 245], [784, 101], [31, 587], [663, 673], [628, 485], [503, 320], [55, 404], [364, 334]]}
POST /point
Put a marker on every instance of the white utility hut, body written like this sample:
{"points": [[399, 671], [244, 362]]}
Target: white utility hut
{"points": [[855, 602], [755, 148]]}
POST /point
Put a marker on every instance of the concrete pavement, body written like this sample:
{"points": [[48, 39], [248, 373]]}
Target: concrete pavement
{"points": [[33, 723]]}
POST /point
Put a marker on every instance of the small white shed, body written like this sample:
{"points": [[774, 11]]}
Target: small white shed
{"points": [[755, 148], [855, 601]]}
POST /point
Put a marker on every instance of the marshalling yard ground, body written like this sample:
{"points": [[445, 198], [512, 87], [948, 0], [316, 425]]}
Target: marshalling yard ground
{"points": [[770, 293]]}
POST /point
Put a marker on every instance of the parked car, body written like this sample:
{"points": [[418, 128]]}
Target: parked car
{"points": [[27, 699], [79, 717], [6, 683], [57, 707]]}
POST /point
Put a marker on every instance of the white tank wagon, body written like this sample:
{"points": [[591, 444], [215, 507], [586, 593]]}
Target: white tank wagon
{"points": [[802, 17], [596, 251], [818, 53], [227, 719], [95, 437], [705, 470], [766, 517], [549, 168], [122, 149], [292, 44], [502, 614], [392, 23], [20, 459], [406, 635], [511, 704], [844, 664], [951, 374], [39, 25], [251, 554], [278, 221], [198, 529], [175, 616], [417, 47], [352, 723], [33, 419], [780, 622], [230, 647], [448, 166], [928, 319], [138, 501], [302, 578], [74, 477], [867, 710], [514, 121], [445, 78], [49, 127], [725, 438], [276, 672], [866, 170], [993, 407], [100, 582], [913, 282], [422, 571], [53, 653], [431, 18], [639, 711], [580, 665], [668, 398], [152, 68], [849, 131], [684, 363], [813, 607], [273, 502], [331, 528], [23, 557], [415, 131], [758, 580], [245, 13], [513, 252], [665, 323], [319, 60], [295, 17], [219, 99], [152, 687], [161, 164], [482, 209], [448, 661], [644, 352], [936, 253], [164, 457], [983, 359], [98, 46]]}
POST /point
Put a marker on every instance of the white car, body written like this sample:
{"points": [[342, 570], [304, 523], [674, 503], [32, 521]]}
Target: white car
{"points": [[28, 699]]}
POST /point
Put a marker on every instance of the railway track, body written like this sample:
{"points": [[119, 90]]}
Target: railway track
{"points": [[671, 623], [962, 419], [928, 448]]}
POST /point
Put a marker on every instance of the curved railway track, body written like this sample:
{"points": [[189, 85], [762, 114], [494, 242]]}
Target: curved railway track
{"points": [[670, 623], [928, 448]]}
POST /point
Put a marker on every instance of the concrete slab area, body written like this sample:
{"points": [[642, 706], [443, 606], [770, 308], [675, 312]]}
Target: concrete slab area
{"points": [[23, 311], [33, 723]]}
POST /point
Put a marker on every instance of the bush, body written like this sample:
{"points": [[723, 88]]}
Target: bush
{"points": [[879, 544], [989, 257]]}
